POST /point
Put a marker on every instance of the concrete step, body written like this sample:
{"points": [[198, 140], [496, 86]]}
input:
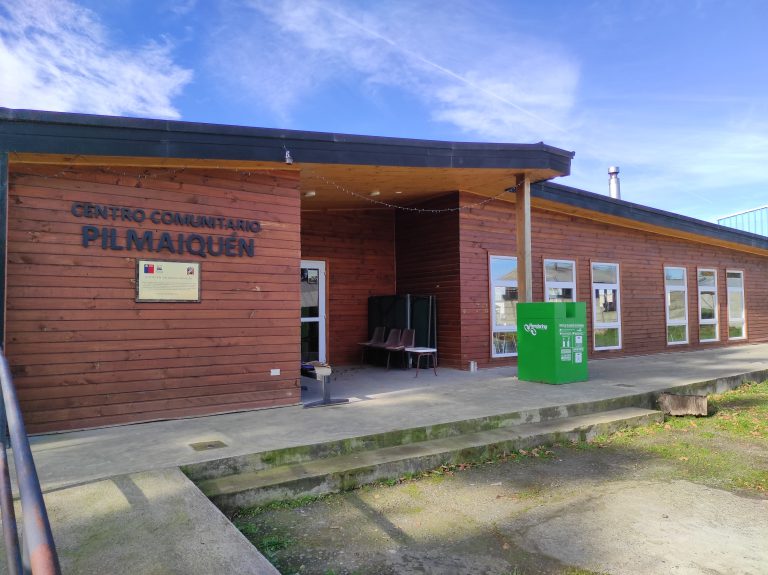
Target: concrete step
{"points": [[252, 462], [333, 474]]}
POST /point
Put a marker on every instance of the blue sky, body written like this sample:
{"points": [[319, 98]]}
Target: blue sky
{"points": [[675, 92]]}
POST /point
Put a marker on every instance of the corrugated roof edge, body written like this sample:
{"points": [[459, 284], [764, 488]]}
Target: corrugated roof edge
{"points": [[222, 141], [638, 212]]}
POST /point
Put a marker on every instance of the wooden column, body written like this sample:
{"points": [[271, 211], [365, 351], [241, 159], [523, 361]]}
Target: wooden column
{"points": [[523, 211]]}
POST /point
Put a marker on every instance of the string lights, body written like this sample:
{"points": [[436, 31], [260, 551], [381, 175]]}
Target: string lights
{"points": [[170, 173], [373, 199]]}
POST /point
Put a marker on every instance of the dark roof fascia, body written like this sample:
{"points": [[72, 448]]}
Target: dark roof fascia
{"points": [[621, 208], [30, 131]]}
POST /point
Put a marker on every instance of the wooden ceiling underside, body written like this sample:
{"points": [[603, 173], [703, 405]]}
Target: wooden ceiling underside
{"points": [[335, 186], [347, 187]]}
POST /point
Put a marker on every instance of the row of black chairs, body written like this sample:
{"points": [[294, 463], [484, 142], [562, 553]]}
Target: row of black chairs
{"points": [[397, 340]]}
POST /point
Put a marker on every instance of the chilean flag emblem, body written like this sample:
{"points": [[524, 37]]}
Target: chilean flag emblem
{"points": [[149, 268]]}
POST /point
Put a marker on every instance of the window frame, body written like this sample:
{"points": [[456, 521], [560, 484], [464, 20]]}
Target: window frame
{"points": [[716, 320], [554, 284], [494, 284], [743, 290], [667, 290], [606, 325]]}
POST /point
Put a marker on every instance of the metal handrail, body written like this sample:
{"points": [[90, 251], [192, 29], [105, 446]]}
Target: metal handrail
{"points": [[39, 556]]}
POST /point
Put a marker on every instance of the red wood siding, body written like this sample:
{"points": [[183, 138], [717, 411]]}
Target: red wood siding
{"points": [[428, 264], [358, 248], [85, 354], [641, 256], [486, 230]]}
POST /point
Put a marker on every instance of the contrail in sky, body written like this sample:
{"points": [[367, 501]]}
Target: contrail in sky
{"points": [[443, 69]]}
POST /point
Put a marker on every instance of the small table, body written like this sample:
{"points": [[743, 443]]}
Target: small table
{"points": [[419, 352], [323, 373]]}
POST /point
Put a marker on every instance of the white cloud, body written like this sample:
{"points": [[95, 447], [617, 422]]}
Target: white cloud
{"points": [[181, 7], [490, 85], [55, 55], [702, 170]]}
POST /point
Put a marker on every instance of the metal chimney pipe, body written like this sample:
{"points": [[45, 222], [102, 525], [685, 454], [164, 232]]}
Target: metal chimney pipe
{"points": [[614, 188]]}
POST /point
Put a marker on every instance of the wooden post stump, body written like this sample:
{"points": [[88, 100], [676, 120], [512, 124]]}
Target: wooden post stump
{"points": [[673, 404]]}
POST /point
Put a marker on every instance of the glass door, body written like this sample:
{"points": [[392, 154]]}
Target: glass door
{"points": [[312, 311]]}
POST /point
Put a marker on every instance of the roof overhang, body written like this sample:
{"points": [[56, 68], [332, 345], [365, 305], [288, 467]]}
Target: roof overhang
{"points": [[572, 201], [342, 170]]}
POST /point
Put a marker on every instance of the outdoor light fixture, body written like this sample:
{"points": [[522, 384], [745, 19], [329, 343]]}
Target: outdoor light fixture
{"points": [[288, 158], [375, 193], [310, 194]]}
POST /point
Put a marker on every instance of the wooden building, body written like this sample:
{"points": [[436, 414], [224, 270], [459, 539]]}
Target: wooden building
{"points": [[280, 237]]}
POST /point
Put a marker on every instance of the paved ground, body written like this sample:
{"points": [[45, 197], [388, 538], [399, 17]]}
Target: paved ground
{"points": [[612, 510], [71, 465], [154, 522], [382, 401]]}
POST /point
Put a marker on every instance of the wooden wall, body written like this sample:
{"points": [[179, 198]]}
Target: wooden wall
{"points": [[428, 264], [84, 354], [641, 256], [485, 230], [359, 250]]}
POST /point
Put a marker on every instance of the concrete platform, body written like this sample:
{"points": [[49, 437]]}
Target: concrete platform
{"points": [[150, 522], [381, 401]]}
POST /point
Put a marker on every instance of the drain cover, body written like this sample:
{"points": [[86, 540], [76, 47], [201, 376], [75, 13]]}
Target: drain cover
{"points": [[206, 445]]}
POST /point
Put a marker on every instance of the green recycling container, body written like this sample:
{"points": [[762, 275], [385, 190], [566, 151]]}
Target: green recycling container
{"points": [[552, 342]]}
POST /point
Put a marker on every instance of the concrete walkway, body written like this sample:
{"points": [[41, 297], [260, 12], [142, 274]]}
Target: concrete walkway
{"points": [[381, 401], [102, 482]]}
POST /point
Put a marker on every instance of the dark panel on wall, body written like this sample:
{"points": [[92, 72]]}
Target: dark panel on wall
{"points": [[359, 248], [85, 354], [428, 264]]}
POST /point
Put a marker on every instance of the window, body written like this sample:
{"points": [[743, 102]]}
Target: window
{"points": [[606, 312], [707, 282], [559, 280], [737, 328], [503, 283], [676, 292]]}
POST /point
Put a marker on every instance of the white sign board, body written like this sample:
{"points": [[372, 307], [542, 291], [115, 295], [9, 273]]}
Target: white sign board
{"points": [[158, 281]]}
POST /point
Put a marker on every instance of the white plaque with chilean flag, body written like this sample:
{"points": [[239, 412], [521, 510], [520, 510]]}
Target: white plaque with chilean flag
{"points": [[167, 281]]}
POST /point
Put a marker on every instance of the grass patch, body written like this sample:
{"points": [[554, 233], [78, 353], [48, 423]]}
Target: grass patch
{"points": [[270, 543], [296, 503], [715, 449]]}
